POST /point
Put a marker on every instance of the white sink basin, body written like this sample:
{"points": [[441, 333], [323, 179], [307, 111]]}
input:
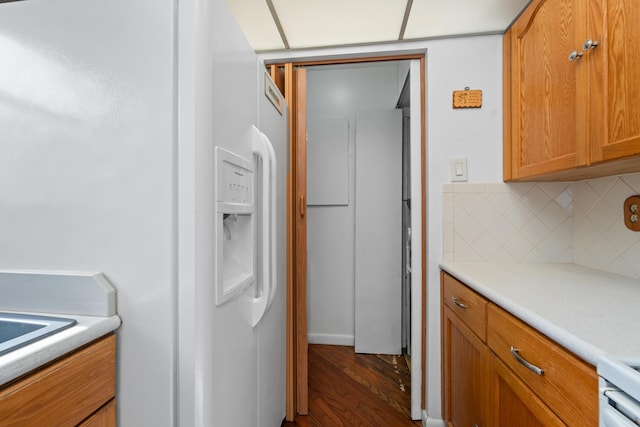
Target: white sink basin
{"points": [[18, 330]]}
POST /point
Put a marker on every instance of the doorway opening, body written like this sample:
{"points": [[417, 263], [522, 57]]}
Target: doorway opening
{"points": [[355, 206], [358, 210], [342, 195]]}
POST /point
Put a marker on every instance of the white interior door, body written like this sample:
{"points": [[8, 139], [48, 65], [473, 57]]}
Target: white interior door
{"points": [[378, 237], [416, 240]]}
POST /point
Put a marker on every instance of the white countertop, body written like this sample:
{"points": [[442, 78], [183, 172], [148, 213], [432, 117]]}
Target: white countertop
{"points": [[87, 297], [590, 312], [25, 359]]}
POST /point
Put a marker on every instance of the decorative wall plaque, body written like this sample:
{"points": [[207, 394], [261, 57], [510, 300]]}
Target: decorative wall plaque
{"points": [[467, 98]]}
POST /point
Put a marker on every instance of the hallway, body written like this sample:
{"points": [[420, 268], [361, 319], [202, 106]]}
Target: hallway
{"points": [[349, 389]]}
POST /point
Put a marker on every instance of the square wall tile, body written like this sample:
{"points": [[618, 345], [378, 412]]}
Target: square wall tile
{"points": [[578, 222]]}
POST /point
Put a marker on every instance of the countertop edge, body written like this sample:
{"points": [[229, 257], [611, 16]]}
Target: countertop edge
{"points": [[557, 333], [29, 358]]}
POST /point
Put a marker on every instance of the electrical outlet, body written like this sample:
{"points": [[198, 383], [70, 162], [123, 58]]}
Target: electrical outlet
{"points": [[632, 213]]}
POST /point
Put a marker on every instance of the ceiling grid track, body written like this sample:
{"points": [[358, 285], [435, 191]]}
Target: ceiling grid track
{"points": [[405, 19], [276, 20]]}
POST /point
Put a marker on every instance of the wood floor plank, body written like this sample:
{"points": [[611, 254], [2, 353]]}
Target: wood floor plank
{"points": [[349, 389]]}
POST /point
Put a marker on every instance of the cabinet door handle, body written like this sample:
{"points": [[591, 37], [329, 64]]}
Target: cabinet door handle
{"points": [[533, 368], [459, 303], [575, 55], [589, 44]]}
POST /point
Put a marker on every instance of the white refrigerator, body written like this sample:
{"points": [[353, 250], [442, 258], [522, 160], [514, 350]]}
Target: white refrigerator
{"points": [[110, 113], [231, 363], [248, 317]]}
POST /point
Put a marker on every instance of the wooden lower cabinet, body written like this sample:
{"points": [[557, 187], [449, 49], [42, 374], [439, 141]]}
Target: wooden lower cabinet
{"points": [[103, 417], [486, 385], [464, 373], [75, 390], [512, 403]]}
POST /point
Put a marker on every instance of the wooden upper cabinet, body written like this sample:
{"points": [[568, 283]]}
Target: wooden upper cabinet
{"points": [[546, 124], [562, 115], [615, 79]]}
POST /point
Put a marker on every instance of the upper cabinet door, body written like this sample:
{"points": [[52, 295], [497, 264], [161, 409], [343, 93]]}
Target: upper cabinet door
{"points": [[614, 79], [548, 108], [572, 90]]}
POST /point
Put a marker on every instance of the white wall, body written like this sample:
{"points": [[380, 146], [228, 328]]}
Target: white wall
{"points": [[475, 134], [340, 92], [472, 133], [87, 168]]}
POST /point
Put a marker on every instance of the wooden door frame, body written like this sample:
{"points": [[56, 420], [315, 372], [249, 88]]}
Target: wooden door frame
{"points": [[297, 393]]}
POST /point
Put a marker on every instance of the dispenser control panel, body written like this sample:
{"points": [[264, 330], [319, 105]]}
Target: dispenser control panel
{"points": [[235, 225], [235, 185]]}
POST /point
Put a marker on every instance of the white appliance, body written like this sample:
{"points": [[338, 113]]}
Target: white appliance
{"points": [[248, 314], [619, 398], [108, 164]]}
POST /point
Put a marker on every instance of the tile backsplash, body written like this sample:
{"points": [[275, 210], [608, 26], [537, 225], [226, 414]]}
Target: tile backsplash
{"points": [[600, 238], [577, 222]]}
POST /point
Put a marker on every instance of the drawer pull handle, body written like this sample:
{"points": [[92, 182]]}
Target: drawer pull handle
{"points": [[459, 303], [531, 367]]}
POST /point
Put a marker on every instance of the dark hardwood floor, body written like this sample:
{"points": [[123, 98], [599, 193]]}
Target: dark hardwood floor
{"points": [[349, 389]]}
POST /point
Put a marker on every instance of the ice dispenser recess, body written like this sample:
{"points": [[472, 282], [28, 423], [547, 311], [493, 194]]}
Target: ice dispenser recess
{"points": [[235, 225]]}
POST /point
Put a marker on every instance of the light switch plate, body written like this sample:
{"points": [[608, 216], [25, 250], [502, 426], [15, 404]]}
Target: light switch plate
{"points": [[458, 170]]}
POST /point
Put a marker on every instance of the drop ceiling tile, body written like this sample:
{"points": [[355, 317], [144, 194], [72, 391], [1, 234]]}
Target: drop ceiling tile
{"points": [[437, 18], [256, 22], [314, 23]]}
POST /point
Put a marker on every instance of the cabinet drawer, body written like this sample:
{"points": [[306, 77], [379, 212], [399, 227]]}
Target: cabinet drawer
{"points": [[103, 417], [567, 384], [468, 305], [514, 403], [65, 392]]}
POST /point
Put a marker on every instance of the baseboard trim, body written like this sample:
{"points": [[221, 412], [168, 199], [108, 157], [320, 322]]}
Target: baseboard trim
{"points": [[431, 422], [348, 340]]}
